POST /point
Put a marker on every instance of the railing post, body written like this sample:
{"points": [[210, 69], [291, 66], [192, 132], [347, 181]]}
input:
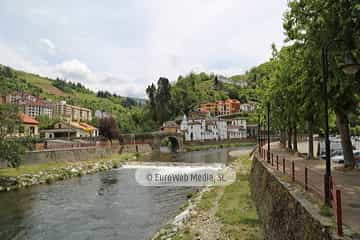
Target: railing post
{"points": [[339, 213], [306, 178], [277, 162], [272, 159], [293, 170], [284, 171], [264, 157]]}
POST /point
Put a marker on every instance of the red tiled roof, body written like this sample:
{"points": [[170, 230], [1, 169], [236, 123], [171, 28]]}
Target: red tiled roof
{"points": [[27, 119]]}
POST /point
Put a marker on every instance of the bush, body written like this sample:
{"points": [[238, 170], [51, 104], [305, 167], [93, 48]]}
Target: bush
{"points": [[12, 152]]}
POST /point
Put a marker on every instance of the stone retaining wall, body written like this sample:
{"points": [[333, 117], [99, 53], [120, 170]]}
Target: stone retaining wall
{"points": [[284, 209], [69, 155], [136, 148]]}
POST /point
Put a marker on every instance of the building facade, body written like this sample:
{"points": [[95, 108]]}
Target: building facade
{"points": [[221, 108], [72, 113], [236, 128], [29, 126], [248, 107], [30, 105], [202, 129], [69, 130]]}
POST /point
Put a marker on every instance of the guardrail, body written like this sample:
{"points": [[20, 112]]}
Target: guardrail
{"points": [[311, 179]]}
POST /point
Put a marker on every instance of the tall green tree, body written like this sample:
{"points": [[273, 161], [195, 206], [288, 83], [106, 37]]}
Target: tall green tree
{"points": [[316, 23], [11, 150]]}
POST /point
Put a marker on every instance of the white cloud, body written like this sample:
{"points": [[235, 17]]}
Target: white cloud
{"points": [[48, 45], [124, 46], [74, 70]]}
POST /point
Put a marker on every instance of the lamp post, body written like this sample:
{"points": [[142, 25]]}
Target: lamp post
{"points": [[350, 67], [258, 134], [268, 132]]}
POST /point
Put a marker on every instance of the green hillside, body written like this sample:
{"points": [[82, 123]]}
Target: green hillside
{"points": [[131, 117]]}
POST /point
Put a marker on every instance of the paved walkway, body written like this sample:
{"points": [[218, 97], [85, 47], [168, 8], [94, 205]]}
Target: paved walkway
{"points": [[347, 181]]}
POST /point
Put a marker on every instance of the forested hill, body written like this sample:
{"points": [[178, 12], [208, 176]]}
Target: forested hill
{"points": [[166, 103], [130, 112], [170, 100]]}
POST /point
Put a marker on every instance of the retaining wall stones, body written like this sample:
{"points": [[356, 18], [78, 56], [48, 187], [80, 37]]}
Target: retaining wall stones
{"points": [[284, 209]]}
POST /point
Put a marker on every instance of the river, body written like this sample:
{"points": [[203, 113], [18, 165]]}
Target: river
{"points": [[106, 205]]}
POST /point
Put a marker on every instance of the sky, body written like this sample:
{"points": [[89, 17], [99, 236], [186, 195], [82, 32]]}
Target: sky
{"points": [[124, 45]]}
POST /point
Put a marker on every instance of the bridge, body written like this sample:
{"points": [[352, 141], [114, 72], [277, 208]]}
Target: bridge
{"points": [[154, 139]]}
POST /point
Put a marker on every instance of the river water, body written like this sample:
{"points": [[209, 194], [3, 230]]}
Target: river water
{"points": [[106, 205]]}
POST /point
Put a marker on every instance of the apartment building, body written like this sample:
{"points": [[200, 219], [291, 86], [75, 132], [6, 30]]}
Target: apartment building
{"points": [[221, 108], [72, 113], [30, 105]]}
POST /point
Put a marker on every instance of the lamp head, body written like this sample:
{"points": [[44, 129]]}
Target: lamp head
{"points": [[350, 66]]}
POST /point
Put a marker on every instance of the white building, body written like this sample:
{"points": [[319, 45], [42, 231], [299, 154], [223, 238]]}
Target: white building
{"points": [[247, 107], [213, 129], [29, 104], [72, 113], [236, 128], [100, 114]]}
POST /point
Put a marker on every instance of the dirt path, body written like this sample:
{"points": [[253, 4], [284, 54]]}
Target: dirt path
{"points": [[204, 225]]}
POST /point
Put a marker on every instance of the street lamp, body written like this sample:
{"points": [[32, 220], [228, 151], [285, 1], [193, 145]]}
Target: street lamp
{"points": [[268, 132], [258, 134], [350, 67]]}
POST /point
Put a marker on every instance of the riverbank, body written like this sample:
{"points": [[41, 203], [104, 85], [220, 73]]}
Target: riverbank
{"points": [[222, 212], [28, 175], [205, 146]]}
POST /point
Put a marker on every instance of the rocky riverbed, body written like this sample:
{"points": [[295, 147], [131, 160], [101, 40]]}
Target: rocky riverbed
{"points": [[49, 176]]}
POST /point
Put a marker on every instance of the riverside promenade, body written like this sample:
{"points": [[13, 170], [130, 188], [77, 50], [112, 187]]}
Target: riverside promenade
{"points": [[347, 181]]}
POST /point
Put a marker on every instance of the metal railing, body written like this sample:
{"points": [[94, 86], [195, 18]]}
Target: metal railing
{"points": [[311, 179]]}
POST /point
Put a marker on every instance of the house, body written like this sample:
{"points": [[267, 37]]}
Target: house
{"points": [[70, 130], [252, 130], [29, 126], [100, 114], [215, 129], [236, 128], [72, 113], [2, 99], [32, 106], [203, 129], [248, 107], [170, 126], [240, 83], [221, 108]]}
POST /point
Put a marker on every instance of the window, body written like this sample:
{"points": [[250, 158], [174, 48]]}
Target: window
{"points": [[21, 129]]}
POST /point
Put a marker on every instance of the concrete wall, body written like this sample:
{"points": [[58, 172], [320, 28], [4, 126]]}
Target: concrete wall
{"points": [[284, 210], [136, 148], [69, 155]]}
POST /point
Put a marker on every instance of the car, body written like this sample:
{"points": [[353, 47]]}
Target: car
{"points": [[337, 159], [357, 158], [340, 158]]}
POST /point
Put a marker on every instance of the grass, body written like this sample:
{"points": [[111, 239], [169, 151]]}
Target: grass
{"points": [[236, 210], [207, 200], [217, 145], [326, 211], [41, 82], [36, 168], [184, 234]]}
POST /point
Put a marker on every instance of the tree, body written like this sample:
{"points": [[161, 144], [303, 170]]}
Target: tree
{"points": [[315, 23], [162, 99], [9, 120], [11, 150], [151, 92], [108, 128], [45, 122]]}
